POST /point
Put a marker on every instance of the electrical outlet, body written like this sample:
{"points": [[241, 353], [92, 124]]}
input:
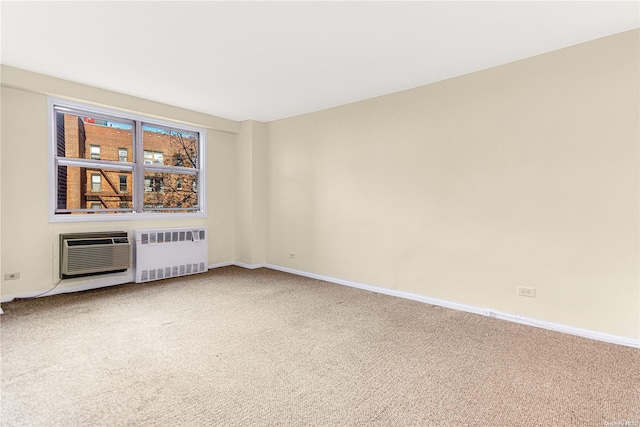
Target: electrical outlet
{"points": [[523, 291], [11, 276], [292, 255]]}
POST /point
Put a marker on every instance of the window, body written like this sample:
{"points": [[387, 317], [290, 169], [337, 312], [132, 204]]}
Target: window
{"points": [[96, 183], [96, 206], [153, 157], [92, 165], [95, 152], [154, 184]]}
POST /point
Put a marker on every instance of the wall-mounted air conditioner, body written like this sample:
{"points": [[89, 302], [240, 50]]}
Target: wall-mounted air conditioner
{"points": [[83, 254], [170, 252]]}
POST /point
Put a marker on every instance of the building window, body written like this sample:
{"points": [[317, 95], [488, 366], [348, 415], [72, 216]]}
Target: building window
{"points": [[94, 151], [153, 157], [96, 206], [96, 183], [164, 190], [153, 184]]}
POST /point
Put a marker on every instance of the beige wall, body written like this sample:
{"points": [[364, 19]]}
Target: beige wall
{"points": [[29, 242], [250, 185], [524, 174], [1, 269]]}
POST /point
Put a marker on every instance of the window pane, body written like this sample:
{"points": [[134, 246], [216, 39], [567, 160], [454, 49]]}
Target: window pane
{"points": [[94, 152], [157, 158], [170, 147], [171, 190], [154, 183], [82, 137], [123, 155], [86, 188], [96, 183]]}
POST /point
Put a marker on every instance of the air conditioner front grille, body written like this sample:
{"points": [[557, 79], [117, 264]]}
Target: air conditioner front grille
{"points": [[94, 253]]}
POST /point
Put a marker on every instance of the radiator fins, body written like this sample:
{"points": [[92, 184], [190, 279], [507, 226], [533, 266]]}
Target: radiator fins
{"points": [[175, 271]]}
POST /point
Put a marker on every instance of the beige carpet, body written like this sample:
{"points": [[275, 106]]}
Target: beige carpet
{"points": [[236, 347]]}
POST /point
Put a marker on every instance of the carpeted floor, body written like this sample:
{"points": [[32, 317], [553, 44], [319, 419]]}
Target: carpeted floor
{"points": [[236, 347]]}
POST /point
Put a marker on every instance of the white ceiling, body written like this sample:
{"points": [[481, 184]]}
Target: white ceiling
{"points": [[269, 60]]}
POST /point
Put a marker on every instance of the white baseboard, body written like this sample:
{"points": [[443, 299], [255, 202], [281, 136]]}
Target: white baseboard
{"points": [[585, 333], [237, 264], [64, 288], [249, 266], [220, 264]]}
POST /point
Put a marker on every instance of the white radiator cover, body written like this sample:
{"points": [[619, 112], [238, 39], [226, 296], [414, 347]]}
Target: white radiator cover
{"points": [[170, 252]]}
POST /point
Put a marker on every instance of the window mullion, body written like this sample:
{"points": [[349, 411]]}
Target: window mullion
{"points": [[138, 175]]}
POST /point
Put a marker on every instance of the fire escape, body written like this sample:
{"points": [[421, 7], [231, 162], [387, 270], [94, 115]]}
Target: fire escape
{"points": [[108, 200], [114, 199]]}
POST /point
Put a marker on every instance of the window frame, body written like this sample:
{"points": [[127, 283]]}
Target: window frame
{"points": [[156, 185], [137, 167], [154, 157], [96, 183], [126, 155], [92, 152], [126, 183]]}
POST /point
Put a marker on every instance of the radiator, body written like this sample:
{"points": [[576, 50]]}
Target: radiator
{"points": [[83, 254], [170, 252]]}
